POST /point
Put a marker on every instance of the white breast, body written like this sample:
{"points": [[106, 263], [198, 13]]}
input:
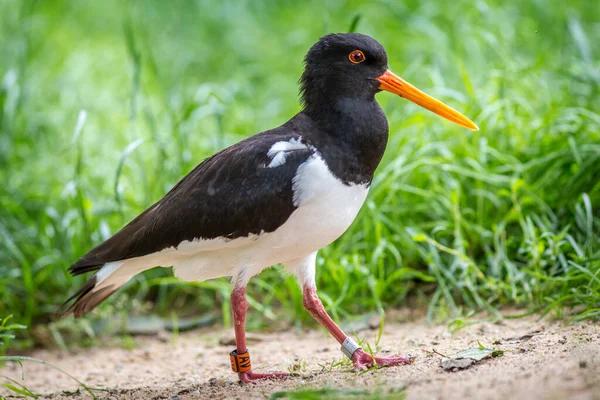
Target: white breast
{"points": [[326, 206]]}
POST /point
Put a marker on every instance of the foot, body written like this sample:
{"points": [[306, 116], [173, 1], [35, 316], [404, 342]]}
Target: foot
{"points": [[362, 360], [250, 376]]}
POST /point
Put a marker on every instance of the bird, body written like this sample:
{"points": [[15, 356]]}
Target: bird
{"points": [[274, 198]]}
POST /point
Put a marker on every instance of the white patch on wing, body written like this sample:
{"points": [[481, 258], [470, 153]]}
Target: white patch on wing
{"points": [[278, 160], [278, 151]]}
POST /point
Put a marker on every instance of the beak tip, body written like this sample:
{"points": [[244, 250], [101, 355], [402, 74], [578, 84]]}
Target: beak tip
{"points": [[470, 125]]}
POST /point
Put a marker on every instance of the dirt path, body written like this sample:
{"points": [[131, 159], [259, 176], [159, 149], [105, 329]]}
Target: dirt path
{"points": [[556, 362]]}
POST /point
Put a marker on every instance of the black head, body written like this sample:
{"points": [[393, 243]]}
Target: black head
{"points": [[342, 65], [355, 66]]}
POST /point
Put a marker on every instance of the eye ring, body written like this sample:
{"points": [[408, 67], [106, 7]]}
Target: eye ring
{"points": [[356, 57]]}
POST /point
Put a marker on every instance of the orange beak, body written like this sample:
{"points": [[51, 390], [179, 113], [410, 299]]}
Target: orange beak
{"points": [[394, 84]]}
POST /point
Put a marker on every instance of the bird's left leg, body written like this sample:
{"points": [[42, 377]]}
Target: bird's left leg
{"points": [[305, 270], [240, 358]]}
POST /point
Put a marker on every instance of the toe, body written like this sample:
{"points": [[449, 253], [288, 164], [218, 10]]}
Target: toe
{"points": [[362, 360], [251, 376], [395, 360]]}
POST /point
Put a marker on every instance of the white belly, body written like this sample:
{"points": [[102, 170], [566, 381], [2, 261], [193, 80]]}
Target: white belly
{"points": [[325, 209]]}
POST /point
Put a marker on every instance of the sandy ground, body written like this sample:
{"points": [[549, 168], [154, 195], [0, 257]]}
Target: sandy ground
{"points": [[542, 360]]}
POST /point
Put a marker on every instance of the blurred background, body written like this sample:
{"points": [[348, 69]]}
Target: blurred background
{"points": [[104, 106]]}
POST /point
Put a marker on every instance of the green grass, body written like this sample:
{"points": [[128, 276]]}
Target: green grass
{"points": [[340, 394], [22, 391], [457, 220]]}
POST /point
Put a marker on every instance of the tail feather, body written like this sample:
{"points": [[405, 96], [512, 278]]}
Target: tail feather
{"points": [[109, 278], [86, 298], [78, 270], [97, 289], [85, 289]]}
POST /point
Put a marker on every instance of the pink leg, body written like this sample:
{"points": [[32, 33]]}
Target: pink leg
{"points": [[361, 360], [239, 305]]}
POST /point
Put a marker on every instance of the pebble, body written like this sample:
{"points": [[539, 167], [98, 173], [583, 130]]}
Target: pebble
{"points": [[563, 340], [221, 382]]}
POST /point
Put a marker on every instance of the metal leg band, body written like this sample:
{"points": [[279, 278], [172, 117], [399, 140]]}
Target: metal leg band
{"points": [[349, 347]]}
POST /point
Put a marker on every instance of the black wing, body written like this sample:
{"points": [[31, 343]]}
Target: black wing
{"points": [[231, 194]]}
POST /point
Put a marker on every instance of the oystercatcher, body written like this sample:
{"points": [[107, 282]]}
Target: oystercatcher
{"points": [[274, 198]]}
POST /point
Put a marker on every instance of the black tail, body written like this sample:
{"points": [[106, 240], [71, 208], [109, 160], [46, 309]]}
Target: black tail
{"points": [[86, 299]]}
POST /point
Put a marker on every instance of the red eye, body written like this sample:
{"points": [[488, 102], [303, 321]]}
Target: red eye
{"points": [[356, 56]]}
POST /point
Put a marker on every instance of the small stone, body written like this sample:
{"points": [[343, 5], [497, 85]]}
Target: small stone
{"points": [[582, 364], [563, 340], [221, 382], [525, 338], [212, 381]]}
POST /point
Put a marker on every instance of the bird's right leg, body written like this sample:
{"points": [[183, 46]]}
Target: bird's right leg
{"points": [[240, 358], [350, 348], [304, 268]]}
